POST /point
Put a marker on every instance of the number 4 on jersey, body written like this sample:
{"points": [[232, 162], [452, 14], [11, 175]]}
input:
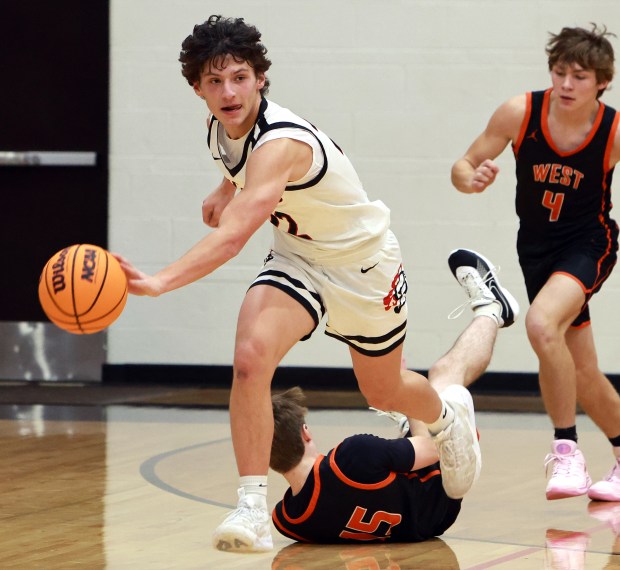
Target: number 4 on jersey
{"points": [[554, 202]]}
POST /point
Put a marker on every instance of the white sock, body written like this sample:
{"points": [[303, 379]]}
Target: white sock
{"points": [[492, 310], [446, 417], [254, 484]]}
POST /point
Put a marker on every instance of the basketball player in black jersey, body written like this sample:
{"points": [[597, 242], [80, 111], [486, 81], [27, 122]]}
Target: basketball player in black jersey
{"points": [[566, 143], [366, 489], [370, 488]]}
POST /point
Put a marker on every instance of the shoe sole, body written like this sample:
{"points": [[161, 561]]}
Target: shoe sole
{"points": [[608, 497], [469, 406], [512, 305], [555, 495], [232, 541], [474, 434], [235, 541]]}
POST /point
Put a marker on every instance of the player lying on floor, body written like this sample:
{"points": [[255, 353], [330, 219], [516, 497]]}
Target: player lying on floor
{"points": [[366, 488], [370, 488]]}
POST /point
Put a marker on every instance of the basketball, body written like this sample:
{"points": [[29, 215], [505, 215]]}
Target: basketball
{"points": [[82, 289]]}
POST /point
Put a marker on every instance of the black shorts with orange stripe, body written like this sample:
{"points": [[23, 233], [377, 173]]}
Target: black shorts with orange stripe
{"points": [[589, 261]]}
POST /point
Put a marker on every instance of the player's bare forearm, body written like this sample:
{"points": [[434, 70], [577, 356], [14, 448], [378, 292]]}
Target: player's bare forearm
{"points": [[425, 451], [239, 220], [470, 178], [462, 175], [215, 203], [211, 252], [416, 427]]}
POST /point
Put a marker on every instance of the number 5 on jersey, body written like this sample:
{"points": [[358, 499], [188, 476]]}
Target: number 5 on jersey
{"points": [[358, 529]]}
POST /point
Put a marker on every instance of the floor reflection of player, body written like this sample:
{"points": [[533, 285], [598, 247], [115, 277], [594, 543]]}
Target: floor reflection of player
{"points": [[434, 553], [565, 549], [568, 549], [608, 513]]}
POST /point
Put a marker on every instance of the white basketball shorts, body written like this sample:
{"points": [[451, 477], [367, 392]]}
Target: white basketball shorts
{"points": [[365, 301]]}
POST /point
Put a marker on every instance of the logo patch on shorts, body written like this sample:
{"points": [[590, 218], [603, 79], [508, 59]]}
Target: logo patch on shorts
{"points": [[397, 297]]}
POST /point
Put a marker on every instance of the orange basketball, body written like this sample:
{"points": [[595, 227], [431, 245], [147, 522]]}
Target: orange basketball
{"points": [[83, 289]]}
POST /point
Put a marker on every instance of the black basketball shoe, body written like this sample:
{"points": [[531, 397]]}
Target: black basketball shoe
{"points": [[476, 274]]}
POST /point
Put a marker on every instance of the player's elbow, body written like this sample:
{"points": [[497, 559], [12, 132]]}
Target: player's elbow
{"points": [[456, 177], [232, 246], [461, 177]]}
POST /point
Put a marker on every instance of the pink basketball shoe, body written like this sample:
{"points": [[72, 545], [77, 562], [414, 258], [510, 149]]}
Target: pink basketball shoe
{"points": [[609, 488], [569, 477]]}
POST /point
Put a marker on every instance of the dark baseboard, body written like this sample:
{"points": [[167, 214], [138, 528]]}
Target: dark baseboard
{"points": [[316, 378], [220, 376]]}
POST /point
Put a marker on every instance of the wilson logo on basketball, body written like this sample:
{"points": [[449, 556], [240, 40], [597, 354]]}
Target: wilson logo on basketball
{"points": [[58, 272]]}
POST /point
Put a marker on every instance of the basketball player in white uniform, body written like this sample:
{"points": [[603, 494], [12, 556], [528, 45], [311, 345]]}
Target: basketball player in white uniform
{"points": [[327, 235], [333, 255]]}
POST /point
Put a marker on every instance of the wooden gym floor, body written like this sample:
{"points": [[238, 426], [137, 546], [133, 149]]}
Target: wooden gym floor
{"points": [[132, 484]]}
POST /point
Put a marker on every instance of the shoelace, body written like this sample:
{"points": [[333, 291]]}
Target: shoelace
{"points": [[562, 465], [398, 418], [472, 286], [394, 416], [245, 511]]}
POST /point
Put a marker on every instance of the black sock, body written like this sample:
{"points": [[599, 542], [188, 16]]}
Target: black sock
{"points": [[566, 433], [615, 441]]}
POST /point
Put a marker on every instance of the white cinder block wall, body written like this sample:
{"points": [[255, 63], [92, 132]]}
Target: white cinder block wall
{"points": [[403, 86]]}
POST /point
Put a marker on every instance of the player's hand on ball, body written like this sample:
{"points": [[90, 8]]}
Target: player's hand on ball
{"points": [[138, 282]]}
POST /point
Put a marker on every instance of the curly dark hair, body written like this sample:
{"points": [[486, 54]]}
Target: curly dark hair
{"points": [[218, 37], [589, 49], [287, 447]]}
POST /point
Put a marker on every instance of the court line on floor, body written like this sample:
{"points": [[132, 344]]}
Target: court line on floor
{"points": [[506, 558], [148, 472], [148, 468]]}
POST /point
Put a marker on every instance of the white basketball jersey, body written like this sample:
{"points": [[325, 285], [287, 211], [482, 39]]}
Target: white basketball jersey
{"points": [[326, 217]]}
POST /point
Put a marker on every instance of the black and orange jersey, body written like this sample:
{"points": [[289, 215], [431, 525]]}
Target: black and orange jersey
{"points": [[363, 490], [562, 196]]}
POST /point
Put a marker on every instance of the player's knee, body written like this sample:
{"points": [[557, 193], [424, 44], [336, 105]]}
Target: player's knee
{"points": [[443, 367], [378, 397], [251, 359], [381, 403], [542, 332]]}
